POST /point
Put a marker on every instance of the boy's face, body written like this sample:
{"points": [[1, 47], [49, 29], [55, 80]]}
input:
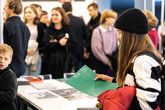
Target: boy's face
{"points": [[92, 12], [110, 21], [7, 10], [44, 19], [5, 60]]}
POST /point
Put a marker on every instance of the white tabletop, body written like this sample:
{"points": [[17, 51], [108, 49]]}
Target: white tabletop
{"points": [[56, 103]]}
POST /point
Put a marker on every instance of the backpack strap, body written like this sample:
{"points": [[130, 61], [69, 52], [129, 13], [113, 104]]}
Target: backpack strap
{"points": [[151, 54]]}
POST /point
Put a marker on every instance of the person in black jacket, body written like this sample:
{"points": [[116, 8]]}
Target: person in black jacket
{"points": [[60, 46], [78, 26], [90, 59], [8, 80], [16, 34]]}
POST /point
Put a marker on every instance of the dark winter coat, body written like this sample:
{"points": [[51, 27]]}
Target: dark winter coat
{"points": [[16, 34], [8, 90], [79, 28], [93, 23], [40, 37], [56, 56]]}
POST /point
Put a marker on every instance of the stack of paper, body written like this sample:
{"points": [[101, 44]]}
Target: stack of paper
{"points": [[43, 86]]}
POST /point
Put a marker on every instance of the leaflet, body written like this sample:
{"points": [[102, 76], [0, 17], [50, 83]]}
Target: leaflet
{"points": [[83, 80]]}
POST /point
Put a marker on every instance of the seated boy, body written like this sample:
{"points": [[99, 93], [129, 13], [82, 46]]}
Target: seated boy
{"points": [[8, 80]]}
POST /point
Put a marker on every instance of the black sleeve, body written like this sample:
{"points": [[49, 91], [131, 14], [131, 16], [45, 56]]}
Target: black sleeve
{"points": [[84, 33], [114, 80], [47, 45], [72, 41], [40, 38], [10, 92], [7, 34]]}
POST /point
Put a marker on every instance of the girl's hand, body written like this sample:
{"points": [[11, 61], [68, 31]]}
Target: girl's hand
{"points": [[30, 52], [54, 40], [104, 77], [63, 41]]}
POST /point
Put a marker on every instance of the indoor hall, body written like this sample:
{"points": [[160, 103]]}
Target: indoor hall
{"points": [[84, 97]]}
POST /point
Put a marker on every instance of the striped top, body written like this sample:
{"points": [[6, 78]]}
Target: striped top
{"points": [[147, 77]]}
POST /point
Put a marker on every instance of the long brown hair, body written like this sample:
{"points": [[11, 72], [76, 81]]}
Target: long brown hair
{"points": [[131, 45]]}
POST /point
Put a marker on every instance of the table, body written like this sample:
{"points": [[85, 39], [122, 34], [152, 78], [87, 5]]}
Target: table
{"points": [[54, 103]]}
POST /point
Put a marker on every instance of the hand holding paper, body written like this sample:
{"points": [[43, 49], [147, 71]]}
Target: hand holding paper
{"points": [[83, 80]]}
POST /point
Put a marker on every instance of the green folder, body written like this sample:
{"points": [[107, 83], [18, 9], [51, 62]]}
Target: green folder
{"points": [[83, 80]]}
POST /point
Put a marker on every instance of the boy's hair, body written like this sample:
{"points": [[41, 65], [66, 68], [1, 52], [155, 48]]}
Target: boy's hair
{"points": [[43, 13], [95, 6], [67, 6], [36, 5], [4, 48], [16, 5], [106, 14]]}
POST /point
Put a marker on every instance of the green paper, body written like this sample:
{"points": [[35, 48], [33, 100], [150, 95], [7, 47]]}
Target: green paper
{"points": [[83, 80]]}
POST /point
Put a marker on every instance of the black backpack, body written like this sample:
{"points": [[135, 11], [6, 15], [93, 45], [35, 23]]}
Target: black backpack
{"points": [[162, 94]]}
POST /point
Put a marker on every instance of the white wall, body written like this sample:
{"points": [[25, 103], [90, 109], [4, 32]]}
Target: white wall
{"points": [[1, 20], [79, 8]]}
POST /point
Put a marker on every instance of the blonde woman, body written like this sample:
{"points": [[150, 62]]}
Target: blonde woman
{"points": [[104, 41], [152, 22], [143, 70], [33, 59], [161, 32]]}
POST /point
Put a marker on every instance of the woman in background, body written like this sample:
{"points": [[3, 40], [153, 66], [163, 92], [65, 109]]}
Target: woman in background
{"points": [[35, 42], [60, 45], [161, 32], [152, 22]]}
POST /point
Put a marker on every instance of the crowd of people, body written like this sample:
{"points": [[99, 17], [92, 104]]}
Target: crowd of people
{"points": [[49, 51], [64, 43], [108, 44]]}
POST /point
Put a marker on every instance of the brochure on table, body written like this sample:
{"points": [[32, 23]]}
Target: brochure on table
{"points": [[41, 94], [83, 80]]}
